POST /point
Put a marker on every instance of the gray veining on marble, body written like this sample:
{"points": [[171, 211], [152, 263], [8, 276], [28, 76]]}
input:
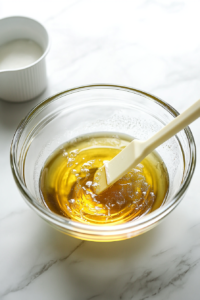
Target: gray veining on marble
{"points": [[148, 44]]}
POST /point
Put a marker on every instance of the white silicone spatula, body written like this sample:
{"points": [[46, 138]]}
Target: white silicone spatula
{"points": [[137, 150]]}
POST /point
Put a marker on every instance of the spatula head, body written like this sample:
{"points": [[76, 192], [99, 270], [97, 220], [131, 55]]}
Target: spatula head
{"points": [[120, 165], [100, 180]]}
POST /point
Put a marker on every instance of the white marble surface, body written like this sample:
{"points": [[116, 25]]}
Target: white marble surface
{"points": [[148, 44]]}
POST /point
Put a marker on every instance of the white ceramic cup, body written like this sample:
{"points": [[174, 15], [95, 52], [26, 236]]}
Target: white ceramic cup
{"points": [[25, 83]]}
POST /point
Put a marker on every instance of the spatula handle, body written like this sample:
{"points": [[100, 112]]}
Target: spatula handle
{"points": [[176, 125]]}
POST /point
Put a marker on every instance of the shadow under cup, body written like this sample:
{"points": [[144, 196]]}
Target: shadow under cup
{"points": [[99, 109]]}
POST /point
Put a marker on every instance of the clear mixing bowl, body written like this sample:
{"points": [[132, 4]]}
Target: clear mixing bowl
{"points": [[94, 109]]}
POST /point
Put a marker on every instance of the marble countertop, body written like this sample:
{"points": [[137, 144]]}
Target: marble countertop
{"points": [[147, 44]]}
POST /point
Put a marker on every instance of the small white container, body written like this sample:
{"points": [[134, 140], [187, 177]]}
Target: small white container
{"points": [[25, 83]]}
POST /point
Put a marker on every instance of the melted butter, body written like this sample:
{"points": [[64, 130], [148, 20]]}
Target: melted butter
{"points": [[67, 186]]}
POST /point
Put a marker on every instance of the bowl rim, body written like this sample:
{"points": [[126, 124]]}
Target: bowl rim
{"points": [[106, 230], [45, 52]]}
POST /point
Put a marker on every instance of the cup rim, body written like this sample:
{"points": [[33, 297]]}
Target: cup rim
{"points": [[70, 225], [44, 53]]}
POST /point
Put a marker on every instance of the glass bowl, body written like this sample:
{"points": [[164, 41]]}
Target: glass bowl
{"points": [[94, 109]]}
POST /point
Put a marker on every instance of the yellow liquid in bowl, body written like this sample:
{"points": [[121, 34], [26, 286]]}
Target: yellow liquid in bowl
{"points": [[67, 187]]}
